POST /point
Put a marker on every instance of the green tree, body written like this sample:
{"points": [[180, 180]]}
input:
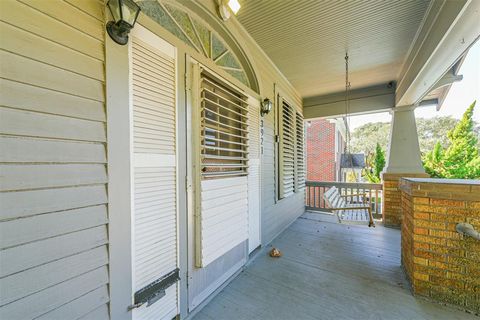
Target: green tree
{"points": [[365, 138], [375, 165], [461, 159], [432, 161], [433, 130], [430, 131]]}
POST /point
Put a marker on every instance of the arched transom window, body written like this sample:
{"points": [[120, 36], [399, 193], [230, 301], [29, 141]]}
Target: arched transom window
{"points": [[196, 34]]}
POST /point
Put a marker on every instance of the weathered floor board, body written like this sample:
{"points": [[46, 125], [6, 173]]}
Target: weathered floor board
{"points": [[327, 271]]}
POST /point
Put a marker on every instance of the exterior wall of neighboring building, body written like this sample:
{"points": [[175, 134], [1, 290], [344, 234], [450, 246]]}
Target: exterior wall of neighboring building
{"points": [[324, 147]]}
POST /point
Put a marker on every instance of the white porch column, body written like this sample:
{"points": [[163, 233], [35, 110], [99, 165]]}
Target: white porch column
{"points": [[403, 149], [403, 160]]}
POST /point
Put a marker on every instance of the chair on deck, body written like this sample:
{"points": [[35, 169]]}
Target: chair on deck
{"points": [[347, 211]]}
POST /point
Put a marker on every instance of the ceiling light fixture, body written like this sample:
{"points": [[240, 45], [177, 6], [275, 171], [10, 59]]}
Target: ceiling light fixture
{"points": [[227, 7]]}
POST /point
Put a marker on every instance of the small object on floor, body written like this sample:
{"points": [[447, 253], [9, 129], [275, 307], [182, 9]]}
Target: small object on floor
{"points": [[275, 253]]}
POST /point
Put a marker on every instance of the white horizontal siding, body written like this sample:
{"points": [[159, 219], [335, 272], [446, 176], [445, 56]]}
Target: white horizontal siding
{"points": [[31, 202], [29, 255], [19, 285], [44, 226], [56, 127], [97, 298], [276, 215], [36, 150], [20, 177], [53, 195], [101, 312], [54, 297], [28, 97]]}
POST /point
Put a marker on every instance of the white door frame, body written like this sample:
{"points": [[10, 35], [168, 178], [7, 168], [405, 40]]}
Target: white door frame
{"points": [[119, 150], [254, 219]]}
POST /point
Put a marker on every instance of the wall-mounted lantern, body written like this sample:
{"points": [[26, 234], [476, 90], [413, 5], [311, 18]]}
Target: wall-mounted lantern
{"points": [[266, 106], [124, 13]]}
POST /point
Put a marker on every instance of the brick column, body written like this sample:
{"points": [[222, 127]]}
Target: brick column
{"points": [[391, 205], [440, 263]]}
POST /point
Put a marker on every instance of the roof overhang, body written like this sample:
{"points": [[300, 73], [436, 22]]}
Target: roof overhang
{"points": [[449, 29]]}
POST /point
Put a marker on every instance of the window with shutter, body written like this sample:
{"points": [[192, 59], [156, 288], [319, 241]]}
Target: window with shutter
{"points": [[287, 150], [300, 154], [224, 151]]}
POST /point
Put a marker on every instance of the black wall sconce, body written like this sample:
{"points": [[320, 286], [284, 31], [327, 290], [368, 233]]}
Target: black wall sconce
{"points": [[124, 13], [266, 107]]}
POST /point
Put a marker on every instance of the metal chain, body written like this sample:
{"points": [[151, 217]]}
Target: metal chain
{"points": [[347, 114], [347, 103]]}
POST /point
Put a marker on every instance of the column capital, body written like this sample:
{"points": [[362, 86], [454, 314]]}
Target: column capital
{"points": [[405, 108], [403, 150]]}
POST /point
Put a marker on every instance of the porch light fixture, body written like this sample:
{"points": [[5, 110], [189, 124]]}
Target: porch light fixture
{"points": [[227, 7], [124, 13], [266, 107]]}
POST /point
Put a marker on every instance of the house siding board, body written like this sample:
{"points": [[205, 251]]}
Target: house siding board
{"points": [[53, 161], [276, 215], [74, 309]]}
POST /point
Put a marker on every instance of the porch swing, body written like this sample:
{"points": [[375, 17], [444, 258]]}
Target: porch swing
{"points": [[346, 209]]}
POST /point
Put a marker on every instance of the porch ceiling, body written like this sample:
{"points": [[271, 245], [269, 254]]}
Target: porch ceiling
{"points": [[307, 39]]}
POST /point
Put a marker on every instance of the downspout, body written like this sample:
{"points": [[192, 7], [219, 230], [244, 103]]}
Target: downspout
{"points": [[468, 230]]}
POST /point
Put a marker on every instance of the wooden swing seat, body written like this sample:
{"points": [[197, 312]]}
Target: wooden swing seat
{"points": [[346, 211]]}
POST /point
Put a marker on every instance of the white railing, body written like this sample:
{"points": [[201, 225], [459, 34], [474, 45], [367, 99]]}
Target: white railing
{"points": [[371, 193]]}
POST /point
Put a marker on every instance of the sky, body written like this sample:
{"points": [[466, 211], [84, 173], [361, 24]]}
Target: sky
{"points": [[460, 96]]}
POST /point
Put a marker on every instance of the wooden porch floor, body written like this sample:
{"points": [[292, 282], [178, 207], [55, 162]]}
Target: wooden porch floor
{"points": [[328, 271]]}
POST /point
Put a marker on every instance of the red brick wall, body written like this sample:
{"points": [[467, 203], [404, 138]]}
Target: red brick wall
{"points": [[321, 151]]}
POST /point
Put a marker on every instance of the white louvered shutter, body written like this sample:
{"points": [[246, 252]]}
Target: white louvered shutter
{"points": [[154, 167], [300, 153], [222, 219], [287, 150]]}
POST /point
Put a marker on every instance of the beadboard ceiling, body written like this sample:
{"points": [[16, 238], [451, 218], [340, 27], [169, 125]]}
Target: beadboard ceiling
{"points": [[307, 39]]}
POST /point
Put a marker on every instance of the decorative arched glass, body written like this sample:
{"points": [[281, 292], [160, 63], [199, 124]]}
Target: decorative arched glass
{"points": [[196, 34]]}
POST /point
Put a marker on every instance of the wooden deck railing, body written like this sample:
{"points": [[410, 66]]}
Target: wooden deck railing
{"points": [[371, 193]]}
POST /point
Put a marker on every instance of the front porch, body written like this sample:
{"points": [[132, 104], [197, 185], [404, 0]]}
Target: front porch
{"points": [[327, 271], [136, 178]]}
